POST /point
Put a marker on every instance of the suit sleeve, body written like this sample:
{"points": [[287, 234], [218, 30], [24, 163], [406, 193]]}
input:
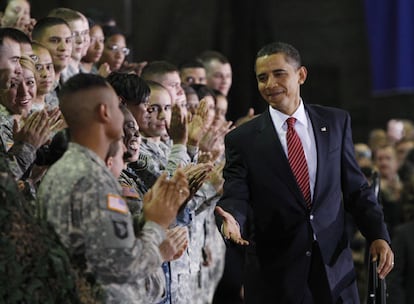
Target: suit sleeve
{"points": [[359, 198], [236, 190]]}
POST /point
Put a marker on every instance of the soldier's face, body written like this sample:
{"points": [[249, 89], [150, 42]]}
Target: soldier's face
{"points": [[10, 54], [132, 138]]}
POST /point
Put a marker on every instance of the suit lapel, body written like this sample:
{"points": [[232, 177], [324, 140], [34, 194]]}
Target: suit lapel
{"points": [[321, 131]]}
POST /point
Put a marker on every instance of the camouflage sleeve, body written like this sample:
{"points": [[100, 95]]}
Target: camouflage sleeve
{"points": [[23, 154], [102, 223], [193, 153], [178, 156], [205, 197]]}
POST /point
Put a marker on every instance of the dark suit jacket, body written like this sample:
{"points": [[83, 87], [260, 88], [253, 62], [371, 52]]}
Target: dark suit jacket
{"points": [[401, 278], [259, 181]]}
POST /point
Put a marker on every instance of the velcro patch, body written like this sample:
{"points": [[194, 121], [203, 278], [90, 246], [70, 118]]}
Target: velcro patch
{"points": [[120, 229], [128, 191], [117, 204]]}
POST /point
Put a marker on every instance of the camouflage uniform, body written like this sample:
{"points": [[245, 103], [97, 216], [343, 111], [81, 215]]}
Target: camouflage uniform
{"points": [[51, 102], [82, 200], [214, 242], [185, 271], [20, 155], [133, 190], [157, 158]]}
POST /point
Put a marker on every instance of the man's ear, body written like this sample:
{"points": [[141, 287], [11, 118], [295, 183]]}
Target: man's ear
{"points": [[303, 73], [109, 162], [103, 114]]}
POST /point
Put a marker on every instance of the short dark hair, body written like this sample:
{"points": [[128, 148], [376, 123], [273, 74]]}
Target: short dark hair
{"points": [[291, 53], [202, 91], [111, 30], [191, 64], [44, 23], [80, 82], [158, 67], [13, 34], [210, 55], [66, 14], [130, 87]]}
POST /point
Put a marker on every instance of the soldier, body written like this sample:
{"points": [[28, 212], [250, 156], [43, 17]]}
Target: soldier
{"points": [[82, 199], [20, 144]]}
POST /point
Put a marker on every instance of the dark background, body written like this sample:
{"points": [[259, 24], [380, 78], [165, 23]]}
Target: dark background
{"points": [[330, 34]]}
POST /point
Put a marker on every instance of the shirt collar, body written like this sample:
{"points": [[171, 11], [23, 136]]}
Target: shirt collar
{"points": [[280, 118]]}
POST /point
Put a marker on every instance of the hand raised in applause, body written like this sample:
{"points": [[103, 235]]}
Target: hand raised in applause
{"points": [[175, 244], [197, 125], [249, 116], [35, 129], [162, 201], [178, 128], [196, 175]]}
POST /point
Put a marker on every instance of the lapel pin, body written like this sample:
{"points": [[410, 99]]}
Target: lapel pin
{"points": [[323, 129]]}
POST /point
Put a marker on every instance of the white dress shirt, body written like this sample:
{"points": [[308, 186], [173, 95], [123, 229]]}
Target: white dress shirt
{"points": [[303, 127]]}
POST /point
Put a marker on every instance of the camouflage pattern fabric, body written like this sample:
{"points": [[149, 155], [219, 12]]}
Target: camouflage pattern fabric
{"points": [[82, 200]]}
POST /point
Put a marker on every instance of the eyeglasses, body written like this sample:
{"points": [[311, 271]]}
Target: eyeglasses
{"points": [[80, 34], [115, 48]]}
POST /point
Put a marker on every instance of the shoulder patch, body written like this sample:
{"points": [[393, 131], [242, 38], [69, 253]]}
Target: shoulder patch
{"points": [[117, 204], [128, 191]]}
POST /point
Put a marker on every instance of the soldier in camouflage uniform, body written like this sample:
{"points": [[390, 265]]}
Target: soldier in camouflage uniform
{"points": [[20, 146], [82, 199]]}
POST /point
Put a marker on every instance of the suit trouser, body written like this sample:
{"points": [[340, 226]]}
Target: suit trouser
{"points": [[318, 290]]}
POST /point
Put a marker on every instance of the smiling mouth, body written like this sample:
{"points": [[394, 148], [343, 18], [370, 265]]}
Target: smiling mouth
{"points": [[22, 102], [133, 145]]}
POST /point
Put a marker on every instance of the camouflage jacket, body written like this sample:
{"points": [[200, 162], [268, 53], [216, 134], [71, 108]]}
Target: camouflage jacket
{"points": [[20, 155], [82, 200]]}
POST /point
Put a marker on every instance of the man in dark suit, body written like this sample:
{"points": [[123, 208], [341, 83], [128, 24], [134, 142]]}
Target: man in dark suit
{"points": [[299, 251]]}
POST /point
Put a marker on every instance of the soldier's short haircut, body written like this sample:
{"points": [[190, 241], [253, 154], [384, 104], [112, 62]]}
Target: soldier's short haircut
{"points": [[80, 82], [210, 55], [66, 14], [13, 34], [157, 68], [45, 23]]}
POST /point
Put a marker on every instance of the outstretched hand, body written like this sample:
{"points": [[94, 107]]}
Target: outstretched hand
{"points": [[231, 229]]}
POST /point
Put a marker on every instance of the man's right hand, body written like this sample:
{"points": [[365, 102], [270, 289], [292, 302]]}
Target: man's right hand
{"points": [[231, 229]]}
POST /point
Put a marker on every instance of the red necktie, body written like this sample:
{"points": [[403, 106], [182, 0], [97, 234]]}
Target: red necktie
{"points": [[297, 160]]}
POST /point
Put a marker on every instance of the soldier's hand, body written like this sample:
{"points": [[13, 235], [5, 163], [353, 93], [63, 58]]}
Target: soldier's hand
{"points": [[196, 130], [162, 201], [35, 129], [175, 244], [178, 128]]}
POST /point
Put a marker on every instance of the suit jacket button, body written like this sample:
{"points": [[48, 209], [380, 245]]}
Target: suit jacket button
{"points": [[308, 253], [311, 217]]}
